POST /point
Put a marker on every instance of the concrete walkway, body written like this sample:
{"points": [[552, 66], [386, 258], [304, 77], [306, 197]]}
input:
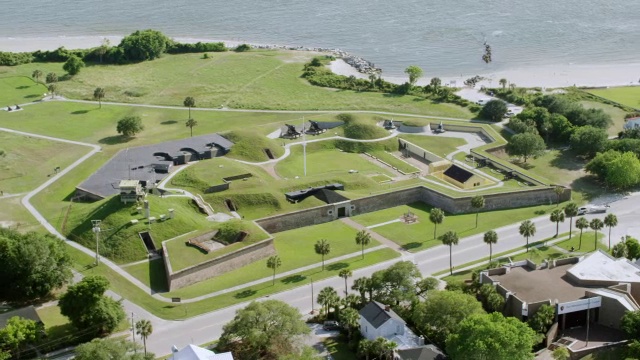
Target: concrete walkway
{"points": [[383, 240]]}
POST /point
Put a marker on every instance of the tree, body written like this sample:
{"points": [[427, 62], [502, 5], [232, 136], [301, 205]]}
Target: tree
{"points": [[190, 124], [363, 286], [630, 324], [525, 145], [557, 216], [611, 220], [322, 248], [265, 329], [36, 74], [104, 47], [633, 247], [571, 210], [18, 333], [350, 320], [273, 263], [559, 190], [477, 202], [426, 284], [435, 85], [596, 225], [51, 78], [189, 102], [109, 349], [396, 284], [561, 353], [450, 238], [87, 308], [503, 82], [616, 169], [620, 250], [441, 313], [491, 336], [345, 273], [494, 110], [98, 94], [328, 297], [527, 229], [144, 45], [129, 126], [382, 348], [53, 89], [414, 72], [588, 140], [581, 223], [436, 216], [363, 238], [542, 319], [73, 65], [491, 300], [33, 265], [490, 238], [144, 329]]}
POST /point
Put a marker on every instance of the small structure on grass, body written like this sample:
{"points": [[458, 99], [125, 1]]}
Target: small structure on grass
{"points": [[131, 191], [291, 132], [314, 128], [299, 195], [409, 217], [461, 177]]}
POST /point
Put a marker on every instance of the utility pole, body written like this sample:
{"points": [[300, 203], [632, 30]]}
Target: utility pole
{"points": [[133, 333], [311, 294], [588, 312], [96, 230]]}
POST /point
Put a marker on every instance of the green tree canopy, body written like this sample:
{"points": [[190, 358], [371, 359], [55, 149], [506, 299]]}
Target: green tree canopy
{"points": [[441, 313], [88, 308], [144, 45], [491, 336], [266, 328], [542, 319], [51, 78], [588, 140], [616, 169], [98, 94], [109, 349], [494, 110], [414, 72], [73, 65], [525, 145], [363, 238], [436, 216], [477, 202], [630, 324], [322, 248], [397, 283], [18, 333], [33, 265], [129, 126]]}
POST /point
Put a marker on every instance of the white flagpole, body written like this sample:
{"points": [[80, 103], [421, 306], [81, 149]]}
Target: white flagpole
{"points": [[304, 147]]}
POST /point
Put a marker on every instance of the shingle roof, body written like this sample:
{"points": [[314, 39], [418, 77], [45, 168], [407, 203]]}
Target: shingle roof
{"points": [[459, 174], [375, 313], [427, 352], [28, 312]]}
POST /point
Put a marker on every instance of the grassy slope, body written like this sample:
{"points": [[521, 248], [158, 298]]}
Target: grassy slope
{"points": [[331, 162], [440, 146], [617, 115], [19, 90], [626, 95], [238, 80]]}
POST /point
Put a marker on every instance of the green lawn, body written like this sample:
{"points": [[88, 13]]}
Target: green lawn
{"points": [[617, 114], [16, 216], [83, 263], [151, 273], [626, 95], [330, 162], [339, 350], [237, 80], [437, 145], [394, 161], [588, 241], [295, 248], [15, 90], [419, 236], [56, 325], [28, 162]]}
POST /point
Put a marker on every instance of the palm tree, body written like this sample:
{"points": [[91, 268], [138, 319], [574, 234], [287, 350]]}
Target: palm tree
{"points": [[570, 211], [98, 94], [51, 78], [189, 102], [362, 285], [450, 238], [512, 86], [382, 348], [527, 229], [328, 297], [595, 225], [503, 82], [557, 216], [611, 220], [559, 190], [37, 74], [144, 329], [53, 88], [373, 77], [582, 223], [190, 124], [345, 273], [274, 262], [352, 301], [435, 85], [363, 238], [322, 248], [364, 348], [350, 320], [436, 216], [490, 238], [477, 202]]}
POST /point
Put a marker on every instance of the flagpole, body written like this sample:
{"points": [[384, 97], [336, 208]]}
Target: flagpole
{"points": [[304, 147]]}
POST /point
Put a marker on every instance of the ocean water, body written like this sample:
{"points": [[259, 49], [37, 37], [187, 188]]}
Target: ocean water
{"points": [[445, 38]]}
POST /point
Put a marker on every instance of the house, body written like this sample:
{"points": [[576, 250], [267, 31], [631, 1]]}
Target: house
{"points": [[28, 313], [192, 352], [462, 178], [379, 320], [427, 352], [632, 123]]}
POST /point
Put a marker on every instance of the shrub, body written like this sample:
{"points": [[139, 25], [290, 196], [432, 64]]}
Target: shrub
{"points": [[144, 45], [242, 48]]}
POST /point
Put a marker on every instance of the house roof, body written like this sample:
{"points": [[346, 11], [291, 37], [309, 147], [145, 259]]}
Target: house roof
{"points": [[458, 174], [600, 266], [375, 313], [28, 312], [427, 352], [632, 123], [192, 352]]}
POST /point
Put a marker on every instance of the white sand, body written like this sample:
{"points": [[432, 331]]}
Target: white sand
{"points": [[544, 76]]}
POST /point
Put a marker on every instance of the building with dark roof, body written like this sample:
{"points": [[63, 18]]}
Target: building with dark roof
{"points": [[461, 177], [150, 164], [28, 313], [379, 320], [427, 352]]}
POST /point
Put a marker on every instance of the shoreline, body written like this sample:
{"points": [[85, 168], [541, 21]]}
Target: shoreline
{"points": [[547, 76]]}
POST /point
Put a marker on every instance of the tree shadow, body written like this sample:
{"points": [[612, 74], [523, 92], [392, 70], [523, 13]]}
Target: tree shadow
{"points": [[293, 279], [169, 122], [245, 294], [524, 165], [337, 266], [567, 160], [79, 112], [588, 186], [115, 140], [22, 87], [412, 245], [33, 96]]}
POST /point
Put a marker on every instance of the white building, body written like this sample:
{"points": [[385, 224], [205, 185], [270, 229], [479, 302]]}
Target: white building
{"points": [[192, 352], [379, 320]]}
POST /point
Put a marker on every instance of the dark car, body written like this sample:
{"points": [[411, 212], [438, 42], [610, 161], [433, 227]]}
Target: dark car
{"points": [[331, 325]]}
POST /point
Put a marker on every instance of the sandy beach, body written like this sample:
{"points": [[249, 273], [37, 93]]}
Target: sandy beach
{"points": [[548, 76]]}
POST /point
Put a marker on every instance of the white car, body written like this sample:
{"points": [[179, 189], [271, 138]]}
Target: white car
{"points": [[592, 209]]}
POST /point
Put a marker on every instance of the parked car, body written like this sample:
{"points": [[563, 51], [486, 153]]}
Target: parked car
{"points": [[593, 209], [331, 325], [482, 102]]}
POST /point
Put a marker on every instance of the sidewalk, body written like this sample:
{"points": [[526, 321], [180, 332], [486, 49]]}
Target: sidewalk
{"points": [[386, 242]]}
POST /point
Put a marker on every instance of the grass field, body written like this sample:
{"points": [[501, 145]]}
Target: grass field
{"points": [[236, 80], [330, 162], [151, 273], [440, 146], [419, 236], [394, 161], [15, 90], [28, 161], [617, 114], [339, 350], [16, 216], [626, 95], [56, 325]]}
